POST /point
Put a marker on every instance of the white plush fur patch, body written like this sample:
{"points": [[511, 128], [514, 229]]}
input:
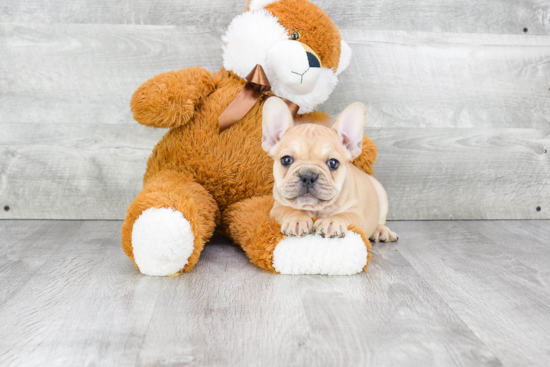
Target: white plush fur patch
{"points": [[163, 241], [248, 39], [314, 254], [247, 42], [345, 57]]}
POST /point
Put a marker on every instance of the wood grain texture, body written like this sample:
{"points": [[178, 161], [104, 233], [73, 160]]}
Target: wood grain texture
{"points": [[83, 306], [87, 74], [93, 171], [462, 119], [87, 305], [469, 16], [19, 262], [432, 174], [61, 171], [386, 318], [447, 80], [494, 275]]}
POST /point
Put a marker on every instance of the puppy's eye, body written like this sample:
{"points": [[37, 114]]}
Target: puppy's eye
{"points": [[295, 36], [286, 161], [333, 164]]}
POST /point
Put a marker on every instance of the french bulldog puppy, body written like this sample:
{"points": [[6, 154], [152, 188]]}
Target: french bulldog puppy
{"points": [[314, 176]]}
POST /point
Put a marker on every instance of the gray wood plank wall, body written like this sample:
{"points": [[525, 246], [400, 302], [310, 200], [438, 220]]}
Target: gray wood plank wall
{"points": [[457, 92]]}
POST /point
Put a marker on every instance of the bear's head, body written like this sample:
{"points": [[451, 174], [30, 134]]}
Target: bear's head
{"points": [[296, 43]]}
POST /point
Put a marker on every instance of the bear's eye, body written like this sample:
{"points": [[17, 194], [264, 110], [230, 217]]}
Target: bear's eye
{"points": [[295, 36], [333, 164], [286, 161]]}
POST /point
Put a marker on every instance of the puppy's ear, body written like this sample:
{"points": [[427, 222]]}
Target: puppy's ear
{"points": [[276, 120], [350, 126]]}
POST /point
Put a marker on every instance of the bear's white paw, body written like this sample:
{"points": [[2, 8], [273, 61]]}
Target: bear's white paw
{"points": [[314, 254], [163, 241]]}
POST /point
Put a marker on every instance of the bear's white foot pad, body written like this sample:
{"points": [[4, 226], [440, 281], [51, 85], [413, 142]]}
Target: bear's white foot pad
{"points": [[314, 254], [163, 241]]}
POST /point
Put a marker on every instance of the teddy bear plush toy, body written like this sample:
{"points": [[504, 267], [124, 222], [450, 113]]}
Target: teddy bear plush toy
{"points": [[209, 171]]}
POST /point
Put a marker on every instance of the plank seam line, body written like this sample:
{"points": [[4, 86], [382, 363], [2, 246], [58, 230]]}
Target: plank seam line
{"points": [[148, 324], [428, 284], [31, 276]]}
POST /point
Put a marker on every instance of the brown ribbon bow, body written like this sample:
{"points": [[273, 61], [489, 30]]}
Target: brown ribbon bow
{"points": [[257, 85]]}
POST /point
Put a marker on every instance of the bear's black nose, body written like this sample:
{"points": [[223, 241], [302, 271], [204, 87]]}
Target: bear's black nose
{"points": [[308, 179], [313, 60]]}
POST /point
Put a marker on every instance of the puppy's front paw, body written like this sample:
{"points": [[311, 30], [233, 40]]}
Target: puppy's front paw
{"points": [[384, 234], [297, 226], [331, 227]]}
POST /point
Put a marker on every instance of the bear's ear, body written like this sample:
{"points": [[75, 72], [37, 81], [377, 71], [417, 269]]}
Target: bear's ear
{"points": [[277, 119], [258, 4], [345, 57], [350, 126]]}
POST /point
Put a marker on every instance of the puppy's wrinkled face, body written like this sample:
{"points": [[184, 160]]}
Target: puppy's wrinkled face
{"points": [[310, 159], [309, 167]]}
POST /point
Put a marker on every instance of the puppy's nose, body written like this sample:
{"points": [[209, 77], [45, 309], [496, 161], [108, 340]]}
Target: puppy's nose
{"points": [[308, 179]]}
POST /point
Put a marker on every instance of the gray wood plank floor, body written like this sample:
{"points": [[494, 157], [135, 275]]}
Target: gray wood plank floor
{"points": [[448, 294]]}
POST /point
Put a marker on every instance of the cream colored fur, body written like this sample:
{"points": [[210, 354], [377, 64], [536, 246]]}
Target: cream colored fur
{"points": [[338, 197]]}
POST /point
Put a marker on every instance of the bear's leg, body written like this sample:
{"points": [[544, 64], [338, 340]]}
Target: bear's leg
{"points": [[168, 224], [249, 225]]}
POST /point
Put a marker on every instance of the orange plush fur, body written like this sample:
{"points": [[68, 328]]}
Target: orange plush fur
{"points": [[222, 180]]}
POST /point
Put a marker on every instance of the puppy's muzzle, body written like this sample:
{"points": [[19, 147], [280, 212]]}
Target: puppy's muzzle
{"points": [[308, 179]]}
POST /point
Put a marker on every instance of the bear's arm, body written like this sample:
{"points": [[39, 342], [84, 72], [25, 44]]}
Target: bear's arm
{"points": [[365, 160], [170, 99]]}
